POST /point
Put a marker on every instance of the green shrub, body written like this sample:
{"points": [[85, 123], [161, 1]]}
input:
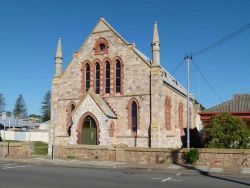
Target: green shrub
{"points": [[226, 131], [191, 156]]}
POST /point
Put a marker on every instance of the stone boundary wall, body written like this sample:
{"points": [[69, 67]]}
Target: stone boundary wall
{"points": [[86, 152], [16, 149], [213, 158]]}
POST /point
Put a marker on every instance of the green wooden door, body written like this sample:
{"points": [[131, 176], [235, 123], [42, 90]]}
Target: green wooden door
{"points": [[89, 132], [89, 136]]}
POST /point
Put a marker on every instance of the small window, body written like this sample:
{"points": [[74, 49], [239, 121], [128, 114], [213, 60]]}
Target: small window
{"points": [[102, 47], [118, 77], [87, 71], [97, 78], [134, 116], [107, 83]]}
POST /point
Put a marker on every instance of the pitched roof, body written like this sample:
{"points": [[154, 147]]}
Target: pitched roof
{"points": [[15, 122], [100, 103], [239, 103]]}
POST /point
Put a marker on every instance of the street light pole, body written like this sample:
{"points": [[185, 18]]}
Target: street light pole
{"points": [[188, 59]]}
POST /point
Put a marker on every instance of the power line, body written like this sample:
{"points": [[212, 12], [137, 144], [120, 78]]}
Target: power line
{"points": [[223, 40], [206, 80], [178, 67]]}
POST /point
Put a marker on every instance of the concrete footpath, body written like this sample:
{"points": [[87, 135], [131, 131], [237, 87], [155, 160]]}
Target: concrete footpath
{"points": [[46, 160]]}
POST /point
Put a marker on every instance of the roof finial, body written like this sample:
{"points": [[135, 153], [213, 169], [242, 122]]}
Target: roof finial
{"points": [[59, 49], [155, 46], [156, 35], [59, 58]]}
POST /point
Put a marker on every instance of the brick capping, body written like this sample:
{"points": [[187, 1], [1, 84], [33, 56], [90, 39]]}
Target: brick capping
{"points": [[131, 136], [97, 49]]}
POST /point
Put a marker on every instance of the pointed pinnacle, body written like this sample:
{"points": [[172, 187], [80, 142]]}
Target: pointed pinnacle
{"points": [[155, 34], [59, 49]]}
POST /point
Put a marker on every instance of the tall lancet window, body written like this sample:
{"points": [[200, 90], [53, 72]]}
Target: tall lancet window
{"points": [[97, 78], [134, 116], [87, 71], [118, 77], [107, 81]]}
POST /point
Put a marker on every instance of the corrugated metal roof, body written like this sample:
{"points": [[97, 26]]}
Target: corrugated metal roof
{"points": [[170, 80], [239, 103], [15, 122]]}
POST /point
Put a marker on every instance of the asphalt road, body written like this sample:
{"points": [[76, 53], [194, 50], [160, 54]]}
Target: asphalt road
{"points": [[20, 175]]}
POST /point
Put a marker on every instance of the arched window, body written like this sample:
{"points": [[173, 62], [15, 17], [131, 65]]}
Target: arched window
{"points": [[97, 78], [134, 116], [102, 47], [118, 77], [87, 71], [107, 81]]}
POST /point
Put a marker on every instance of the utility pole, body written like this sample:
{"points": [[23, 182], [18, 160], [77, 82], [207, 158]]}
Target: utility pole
{"points": [[188, 59]]}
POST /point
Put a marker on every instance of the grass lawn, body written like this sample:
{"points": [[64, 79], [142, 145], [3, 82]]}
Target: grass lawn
{"points": [[40, 148]]}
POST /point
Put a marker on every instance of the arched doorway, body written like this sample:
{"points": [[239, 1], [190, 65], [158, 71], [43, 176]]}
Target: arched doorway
{"points": [[89, 131]]}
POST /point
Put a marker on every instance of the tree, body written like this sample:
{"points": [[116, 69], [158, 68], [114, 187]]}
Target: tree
{"points": [[46, 106], [226, 131], [2, 103], [20, 110]]}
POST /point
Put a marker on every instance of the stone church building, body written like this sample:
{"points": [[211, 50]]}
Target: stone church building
{"points": [[111, 93]]}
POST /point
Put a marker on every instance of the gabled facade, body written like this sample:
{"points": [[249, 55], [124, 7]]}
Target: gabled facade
{"points": [[111, 93]]}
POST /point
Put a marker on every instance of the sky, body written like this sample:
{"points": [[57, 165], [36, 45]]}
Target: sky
{"points": [[29, 30]]}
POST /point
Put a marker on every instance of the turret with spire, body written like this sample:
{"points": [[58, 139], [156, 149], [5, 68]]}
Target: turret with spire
{"points": [[58, 58], [155, 46], [156, 83]]}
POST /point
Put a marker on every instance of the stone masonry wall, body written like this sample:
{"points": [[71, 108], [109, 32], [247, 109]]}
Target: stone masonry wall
{"points": [[17, 149], [229, 159]]}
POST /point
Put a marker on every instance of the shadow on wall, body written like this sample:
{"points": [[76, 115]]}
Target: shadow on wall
{"points": [[176, 157], [195, 138]]}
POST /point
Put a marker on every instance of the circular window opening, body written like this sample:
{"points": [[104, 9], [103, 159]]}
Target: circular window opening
{"points": [[102, 47]]}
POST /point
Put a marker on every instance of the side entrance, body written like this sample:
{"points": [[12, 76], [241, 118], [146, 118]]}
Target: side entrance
{"points": [[89, 131]]}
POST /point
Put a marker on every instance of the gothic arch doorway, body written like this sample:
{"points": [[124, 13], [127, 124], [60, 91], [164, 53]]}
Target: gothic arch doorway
{"points": [[89, 131]]}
